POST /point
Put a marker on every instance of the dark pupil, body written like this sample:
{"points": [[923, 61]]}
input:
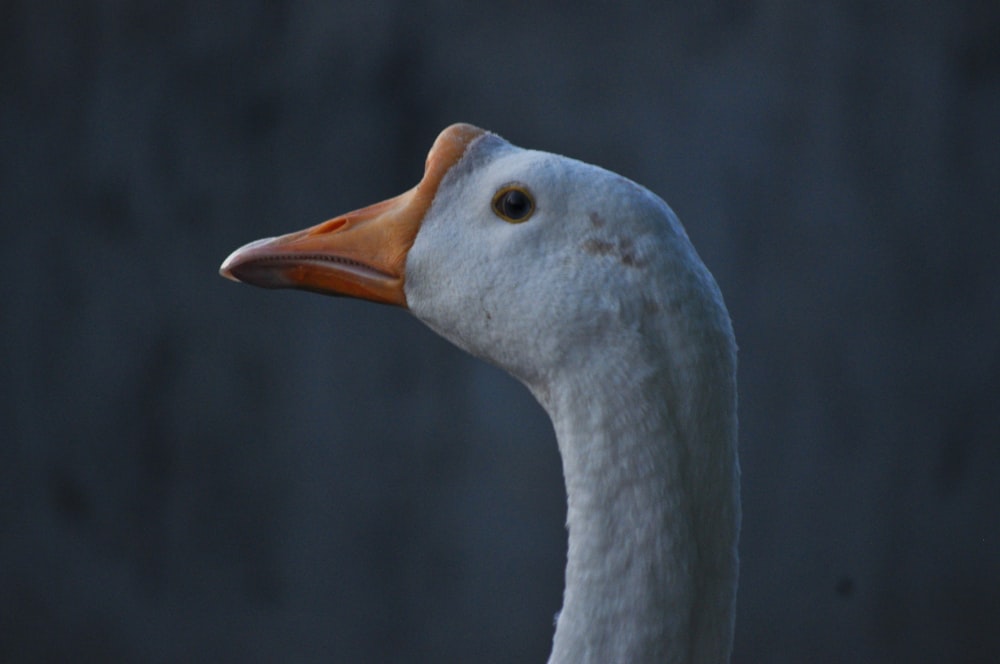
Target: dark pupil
{"points": [[515, 204]]}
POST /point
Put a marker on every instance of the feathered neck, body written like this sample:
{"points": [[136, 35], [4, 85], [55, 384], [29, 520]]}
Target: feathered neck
{"points": [[647, 434]]}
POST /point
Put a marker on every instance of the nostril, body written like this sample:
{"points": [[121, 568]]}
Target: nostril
{"points": [[328, 226]]}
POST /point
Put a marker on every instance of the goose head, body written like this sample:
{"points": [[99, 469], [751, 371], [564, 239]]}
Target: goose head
{"points": [[527, 259]]}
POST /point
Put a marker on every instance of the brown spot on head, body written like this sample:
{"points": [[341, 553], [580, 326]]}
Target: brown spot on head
{"points": [[596, 220], [596, 247], [623, 250]]}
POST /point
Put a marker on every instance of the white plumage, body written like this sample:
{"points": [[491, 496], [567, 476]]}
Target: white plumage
{"points": [[584, 286]]}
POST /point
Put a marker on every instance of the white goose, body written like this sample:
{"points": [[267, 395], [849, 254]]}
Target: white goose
{"points": [[584, 286]]}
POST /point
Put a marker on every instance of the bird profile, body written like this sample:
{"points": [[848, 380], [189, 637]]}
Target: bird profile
{"points": [[584, 286]]}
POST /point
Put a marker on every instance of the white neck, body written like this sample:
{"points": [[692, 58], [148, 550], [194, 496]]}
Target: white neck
{"points": [[653, 511]]}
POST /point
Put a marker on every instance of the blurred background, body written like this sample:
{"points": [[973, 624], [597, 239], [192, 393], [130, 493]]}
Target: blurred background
{"points": [[192, 470]]}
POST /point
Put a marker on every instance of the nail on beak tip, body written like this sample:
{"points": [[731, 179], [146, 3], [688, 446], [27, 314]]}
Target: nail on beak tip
{"points": [[226, 269], [237, 257]]}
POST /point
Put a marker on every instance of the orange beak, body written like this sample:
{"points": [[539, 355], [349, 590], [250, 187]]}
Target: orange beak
{"points": [[360, 254]]}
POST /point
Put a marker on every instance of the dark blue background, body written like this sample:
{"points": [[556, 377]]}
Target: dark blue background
{"points": [[192, 470]]}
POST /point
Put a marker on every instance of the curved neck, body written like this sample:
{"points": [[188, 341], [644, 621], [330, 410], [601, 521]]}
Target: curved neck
{"points": [[653, 512]]}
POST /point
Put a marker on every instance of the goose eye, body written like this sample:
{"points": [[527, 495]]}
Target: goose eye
{"points": [[513, 203]]}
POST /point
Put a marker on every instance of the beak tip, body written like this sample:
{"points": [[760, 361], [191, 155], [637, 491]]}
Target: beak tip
{"points": [[226, 269], [238, 257]]}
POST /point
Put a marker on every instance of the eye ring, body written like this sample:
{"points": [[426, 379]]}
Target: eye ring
{"points": [[513, 203]]}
